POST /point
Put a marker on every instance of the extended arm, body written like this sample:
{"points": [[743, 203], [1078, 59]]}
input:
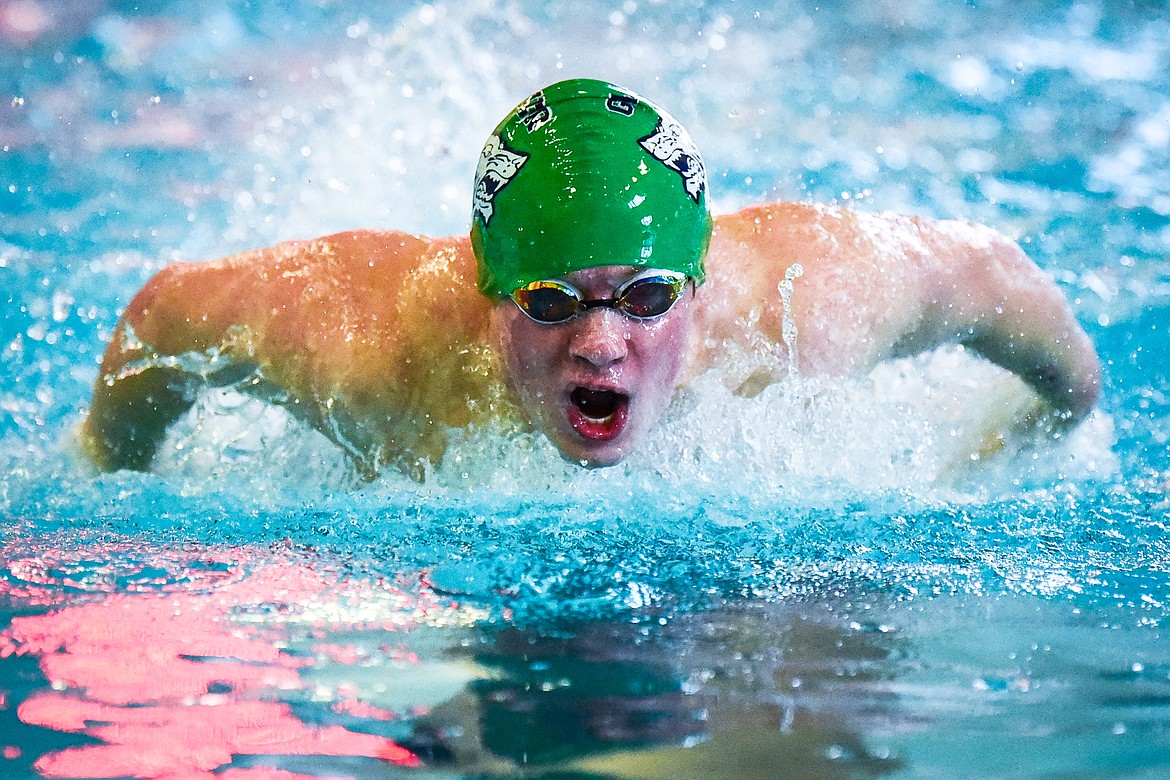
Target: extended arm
{"points": [[185, 329], [876, 286], [980, 289], [373, 337]]}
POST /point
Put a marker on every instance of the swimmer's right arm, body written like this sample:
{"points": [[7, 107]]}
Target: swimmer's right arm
{"points": [[268, 313], [143, 384], [365, 335]]}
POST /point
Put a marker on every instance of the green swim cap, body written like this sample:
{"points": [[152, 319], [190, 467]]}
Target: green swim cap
{"points": [[584, 174]]}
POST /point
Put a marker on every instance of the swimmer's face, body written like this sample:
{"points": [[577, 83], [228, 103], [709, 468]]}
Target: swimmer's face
{"points": [[595, 384]]}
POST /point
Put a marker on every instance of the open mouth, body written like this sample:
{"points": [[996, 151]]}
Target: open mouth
{"points": [[599, 415]]}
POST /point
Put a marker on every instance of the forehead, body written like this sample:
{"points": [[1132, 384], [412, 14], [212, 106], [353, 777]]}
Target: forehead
{"points": [[603, 272], [602, 276]]}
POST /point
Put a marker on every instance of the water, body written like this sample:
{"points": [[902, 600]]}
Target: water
{"points": [[881, 576]]}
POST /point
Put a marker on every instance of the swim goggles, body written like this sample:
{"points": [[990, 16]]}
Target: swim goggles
{"points": [[647, 295]]}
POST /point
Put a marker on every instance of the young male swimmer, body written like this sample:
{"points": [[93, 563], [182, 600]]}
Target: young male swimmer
{"points": [[592, 287]]}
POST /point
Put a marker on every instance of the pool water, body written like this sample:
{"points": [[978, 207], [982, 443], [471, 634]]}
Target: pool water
{"points": [[879, 576]]}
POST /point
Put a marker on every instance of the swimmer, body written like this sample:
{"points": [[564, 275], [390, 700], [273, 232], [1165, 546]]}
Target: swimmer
{"points": [[594, 284]]}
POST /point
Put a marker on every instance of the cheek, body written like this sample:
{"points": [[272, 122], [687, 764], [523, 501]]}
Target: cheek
{"points": [[527, 353], [530, 355], [664, 348]]}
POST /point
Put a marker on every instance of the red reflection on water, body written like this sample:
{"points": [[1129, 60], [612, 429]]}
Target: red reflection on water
{"points": [[175, 683]]}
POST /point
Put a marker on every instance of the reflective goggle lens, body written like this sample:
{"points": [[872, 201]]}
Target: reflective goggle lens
{"points": [[548, 301], [650, 297], [644, 297]]}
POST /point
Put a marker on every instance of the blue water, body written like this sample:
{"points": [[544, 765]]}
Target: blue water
{"points": [[821, 581]]}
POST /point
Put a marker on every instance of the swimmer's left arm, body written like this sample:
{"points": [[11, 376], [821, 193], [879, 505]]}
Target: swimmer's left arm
{"points": [[875, 286], [979, 288]]}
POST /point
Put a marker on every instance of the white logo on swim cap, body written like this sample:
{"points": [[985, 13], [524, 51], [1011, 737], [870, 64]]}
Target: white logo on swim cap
{"points": [[671, 145], [497, 166]]}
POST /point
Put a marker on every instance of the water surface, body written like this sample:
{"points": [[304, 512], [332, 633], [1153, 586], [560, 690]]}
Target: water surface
{"points": [[855, 578]]}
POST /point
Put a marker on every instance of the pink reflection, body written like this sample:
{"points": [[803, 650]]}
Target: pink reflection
{"points": [[23, 22], [176, 680]]}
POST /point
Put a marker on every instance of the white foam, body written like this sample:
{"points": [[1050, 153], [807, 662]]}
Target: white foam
{"points": [[229, 436], [944, 423]]}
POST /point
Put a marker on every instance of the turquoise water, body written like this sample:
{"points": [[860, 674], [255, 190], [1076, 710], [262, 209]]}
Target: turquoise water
{"points": [[821, 581]]}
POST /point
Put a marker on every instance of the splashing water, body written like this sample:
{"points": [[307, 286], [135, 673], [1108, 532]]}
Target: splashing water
{"points": [[788, 325], [899, 574]]}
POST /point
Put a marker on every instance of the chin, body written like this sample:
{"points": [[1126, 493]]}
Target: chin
{"points": [[593, 457], [601, 462]]}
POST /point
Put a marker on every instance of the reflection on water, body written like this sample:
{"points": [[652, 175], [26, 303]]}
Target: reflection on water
{"points": [[162, 671], [273, 663], [820, 581], [285, 664], [649, 699]]}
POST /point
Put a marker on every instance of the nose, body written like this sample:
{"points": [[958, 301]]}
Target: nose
{"points": [[600, 337]]}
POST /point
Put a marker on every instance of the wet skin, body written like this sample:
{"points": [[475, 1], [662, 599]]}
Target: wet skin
{"points": [[381, 341], [597, 383]]}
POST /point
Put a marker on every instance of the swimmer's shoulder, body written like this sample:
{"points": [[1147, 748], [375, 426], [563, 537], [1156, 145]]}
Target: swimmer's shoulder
{"points": [[366, 255], [769, 216], [787, 221], [366, 280], [831, 239], [367, 267], [761, 241]]}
